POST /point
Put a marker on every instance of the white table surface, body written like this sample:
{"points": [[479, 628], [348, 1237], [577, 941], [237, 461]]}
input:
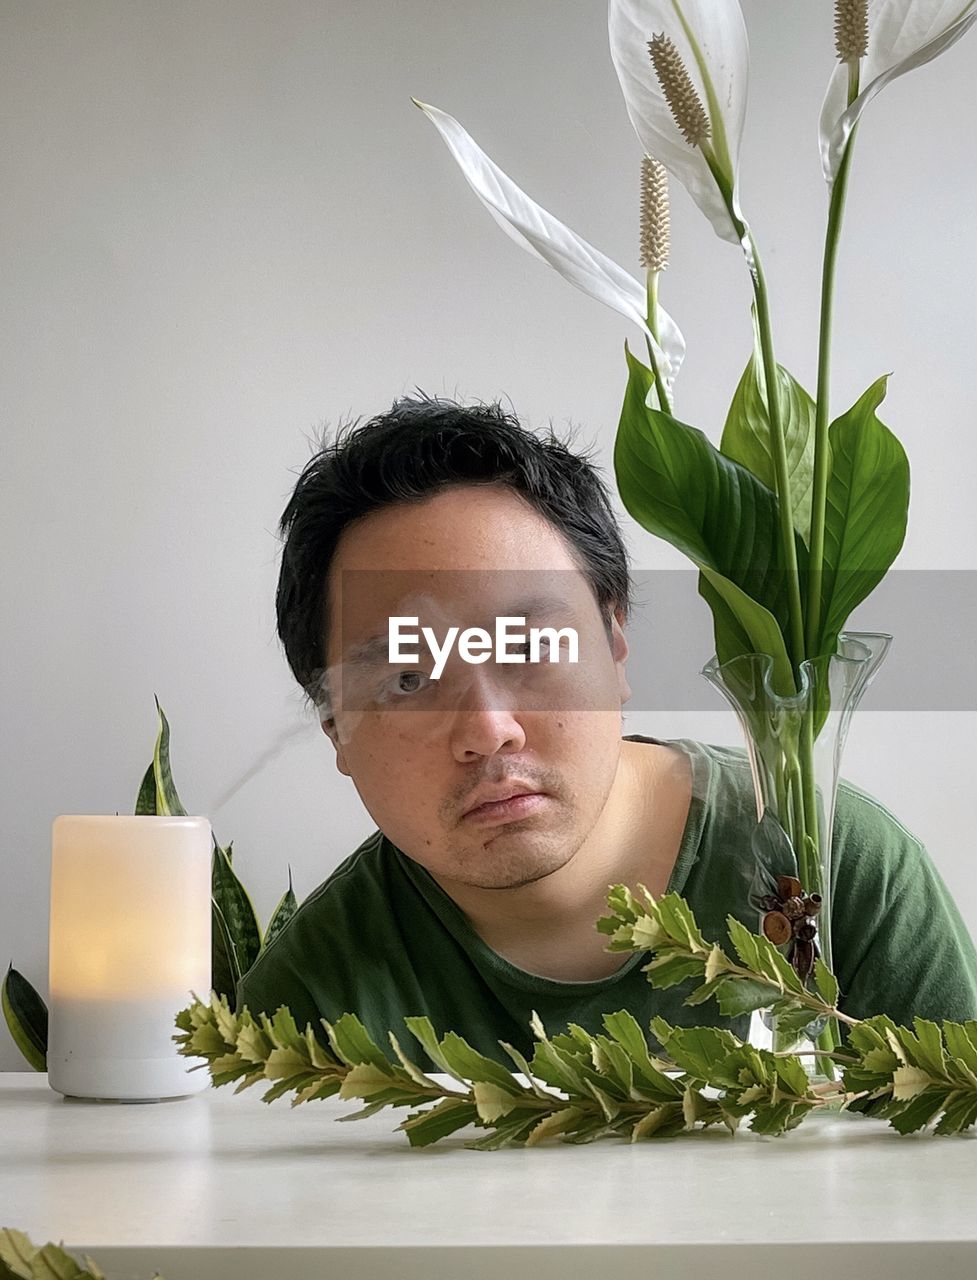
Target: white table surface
{"points": [[221, 1185]]}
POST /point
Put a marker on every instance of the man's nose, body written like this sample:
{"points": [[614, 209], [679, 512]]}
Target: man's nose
{"points": [[485, 720]]}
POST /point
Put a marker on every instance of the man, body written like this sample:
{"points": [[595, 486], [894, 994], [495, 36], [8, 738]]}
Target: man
{"points": [[505, 798]]}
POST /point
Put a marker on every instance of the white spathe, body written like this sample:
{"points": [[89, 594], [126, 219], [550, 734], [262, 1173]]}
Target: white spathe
{"points": [[902, 34], [545, 237], [710, 36]]}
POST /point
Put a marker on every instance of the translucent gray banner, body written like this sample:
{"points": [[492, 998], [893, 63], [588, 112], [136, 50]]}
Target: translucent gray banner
{"points": [[931, 614]]}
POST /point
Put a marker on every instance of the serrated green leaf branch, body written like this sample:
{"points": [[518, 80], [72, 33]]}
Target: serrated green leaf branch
{"points": [[580, 1086]]}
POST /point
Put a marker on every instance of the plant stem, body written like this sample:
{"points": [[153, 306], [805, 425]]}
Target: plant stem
{"points": [[784, 506], [652, 322], [836, 209], [795, 641]]}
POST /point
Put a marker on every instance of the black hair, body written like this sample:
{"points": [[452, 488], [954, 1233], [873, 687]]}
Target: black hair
{"points": [[419, 448]]}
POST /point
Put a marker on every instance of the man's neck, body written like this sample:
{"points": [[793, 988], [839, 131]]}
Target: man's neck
{"points": [[548, 927]]}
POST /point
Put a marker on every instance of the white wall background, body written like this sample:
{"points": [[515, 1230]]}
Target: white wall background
{"points": [[223, 224]]}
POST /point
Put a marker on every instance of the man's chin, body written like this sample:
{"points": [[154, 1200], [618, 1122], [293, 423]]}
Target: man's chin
{"points": [[506, 862]]}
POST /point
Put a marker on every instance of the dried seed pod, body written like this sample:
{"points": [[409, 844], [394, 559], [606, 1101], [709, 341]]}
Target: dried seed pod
{"points": [[794, 908], [788, 887], [803, 957], [776, 927], [812, 904], [805, 930]]}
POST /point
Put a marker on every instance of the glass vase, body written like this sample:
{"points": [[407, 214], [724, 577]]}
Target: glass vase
{"points": [[794, 743]]}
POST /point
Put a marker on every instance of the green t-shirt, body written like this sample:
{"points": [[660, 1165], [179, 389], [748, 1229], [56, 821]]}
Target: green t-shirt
{"points": [[380, 938]]}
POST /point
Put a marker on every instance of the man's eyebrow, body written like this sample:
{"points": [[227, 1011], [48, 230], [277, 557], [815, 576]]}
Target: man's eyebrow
{"points": [[367, 652], [376, 648]]}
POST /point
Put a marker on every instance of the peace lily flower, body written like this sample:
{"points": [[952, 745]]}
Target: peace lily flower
{"points": [[545, 237], [684, 68], [898, 36]]}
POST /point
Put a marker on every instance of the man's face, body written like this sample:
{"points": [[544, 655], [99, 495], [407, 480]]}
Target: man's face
{"points": [[422, 752]]}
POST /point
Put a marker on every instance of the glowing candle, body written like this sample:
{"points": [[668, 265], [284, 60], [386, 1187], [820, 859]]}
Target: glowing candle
{"points": [[129, 942]]}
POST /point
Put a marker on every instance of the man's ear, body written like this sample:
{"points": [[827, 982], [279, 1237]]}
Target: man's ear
{"points": [[328, 726], [619, 652]]}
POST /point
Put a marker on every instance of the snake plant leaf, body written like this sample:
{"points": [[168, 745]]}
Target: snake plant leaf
{"points": [[287, 907], [26, 1016], [677, 485], [903, 35], [866, 511], [545, 237], [710, 37], [146, 799], [234, 901], [225, 969], [746, 435], [167, 800]]}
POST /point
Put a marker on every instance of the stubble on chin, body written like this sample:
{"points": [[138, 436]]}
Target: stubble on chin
{"points": [[512, 856]]}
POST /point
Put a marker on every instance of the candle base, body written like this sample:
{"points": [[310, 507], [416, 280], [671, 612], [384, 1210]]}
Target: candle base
{"points": [[90, 1044], [72, 1097]]}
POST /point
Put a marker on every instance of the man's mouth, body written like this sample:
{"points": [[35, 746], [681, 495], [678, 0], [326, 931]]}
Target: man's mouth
{"points": [[505, 804]]}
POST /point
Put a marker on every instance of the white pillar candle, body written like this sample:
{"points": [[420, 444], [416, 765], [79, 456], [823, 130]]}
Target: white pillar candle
{"points": [[129, 941]]}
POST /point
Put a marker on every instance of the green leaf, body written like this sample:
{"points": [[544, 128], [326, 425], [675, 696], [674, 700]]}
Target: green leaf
{"points": [[423, 1031], [467, 1062], [379, 1083], [26, 1016], [351, 1041], [647, 1079], [611, 1060], [626, 1030], [919, 1111], [744, 942], [741, 625], [493, 1102], [959, 1114], [225, 971], [777, 967], [746, 436], [167, 800], [676, 917], [556, 1122], [774, 1119], [20, 1259], [287, 907], [523, 1066], [511, 1130], [666, 970], [907, 1082], [284, 1034], [662, 1122], [239, 914], [146, 800], [826, 983], [929, 1047], [866, 511], [698, 1050], [678, 486], [739, 996], [792, 1075], [428, 1126], [794, 1020], [558, 1068], [961, 1041]]}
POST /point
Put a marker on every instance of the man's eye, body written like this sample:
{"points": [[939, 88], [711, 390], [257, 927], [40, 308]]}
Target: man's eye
{"points": [[408, 681]]}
